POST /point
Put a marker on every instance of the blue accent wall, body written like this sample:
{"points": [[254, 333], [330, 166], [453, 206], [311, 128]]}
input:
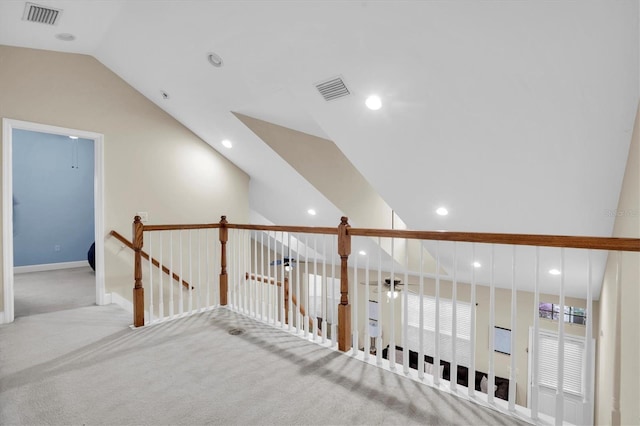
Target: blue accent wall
{"points": [[53, 217]]}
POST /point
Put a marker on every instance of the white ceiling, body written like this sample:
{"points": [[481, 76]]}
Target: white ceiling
{"points": [[515, 115]]}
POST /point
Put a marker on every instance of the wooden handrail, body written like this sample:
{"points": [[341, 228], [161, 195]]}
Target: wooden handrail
{"points": [[144, 254], [262, 279], [595, 243], [299, 229], [180, 227], [580, 242]]}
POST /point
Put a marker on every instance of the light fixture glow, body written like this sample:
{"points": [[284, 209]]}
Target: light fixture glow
{"points": [[477, 264], [287, 268], [395, 294], [73, 137], [312, 212], [554, 271], [362, 253], [373, 102], [442, 211], [227, 143]]}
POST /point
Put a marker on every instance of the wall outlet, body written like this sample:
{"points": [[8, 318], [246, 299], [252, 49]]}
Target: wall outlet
{"points": [[56, 247], [144, 216]]}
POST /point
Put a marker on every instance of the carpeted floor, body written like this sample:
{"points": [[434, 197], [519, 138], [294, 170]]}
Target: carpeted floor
{"points": [[85, 366], [63, 288]]}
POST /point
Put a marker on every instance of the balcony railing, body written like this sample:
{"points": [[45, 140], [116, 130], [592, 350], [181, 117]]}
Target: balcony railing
{"points": [[459, 311]]}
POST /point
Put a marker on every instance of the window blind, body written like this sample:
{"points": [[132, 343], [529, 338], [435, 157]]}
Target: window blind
{"points": [[463, 316], [573, 362]]}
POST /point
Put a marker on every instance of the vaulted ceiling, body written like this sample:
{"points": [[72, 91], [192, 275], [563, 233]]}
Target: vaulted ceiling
{"points": [[516, 116]]}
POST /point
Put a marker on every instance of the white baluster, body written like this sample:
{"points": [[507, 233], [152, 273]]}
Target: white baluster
{"points": [[199, 288], [405, 310], [354, 332], [392, 329], [535, 358], [325, 293], [421, 318], [472, 329], [171, 307], [560, 385], [436, 357], [190, 302], [207, 271], [380, 316], [305, 323], [334, 320], [587, 388], [315, 287], [292, 265], [298, 295], [453, 365], [280, 291], [367, 314], [181, 272], [161, 289], [150, 244], [514, 333], [492, 324]]}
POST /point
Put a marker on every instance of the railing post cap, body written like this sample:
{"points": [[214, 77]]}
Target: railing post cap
{"points": [[344, 220], [137, 219], [223, 219]]}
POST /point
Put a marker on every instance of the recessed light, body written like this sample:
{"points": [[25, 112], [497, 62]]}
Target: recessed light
{"points": [[227, 143], [73, 137], [65, 37], [362, 253], [373, 102], [312, 212], [477, 264], [554, 271], [442, 211], [214, 59]]}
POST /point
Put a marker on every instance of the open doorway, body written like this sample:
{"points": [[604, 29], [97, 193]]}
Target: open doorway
{"points": [[36, 238]]}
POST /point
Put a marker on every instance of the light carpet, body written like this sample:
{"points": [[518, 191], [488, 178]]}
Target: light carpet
{"points": [[85, 366]]}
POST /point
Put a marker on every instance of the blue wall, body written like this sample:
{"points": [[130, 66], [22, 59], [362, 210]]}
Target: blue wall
{"points": [[53, 218]]}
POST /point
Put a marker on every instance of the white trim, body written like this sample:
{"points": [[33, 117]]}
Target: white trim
{"points": [[49, 267], [1, 317], [7, 205], [125, 304]]}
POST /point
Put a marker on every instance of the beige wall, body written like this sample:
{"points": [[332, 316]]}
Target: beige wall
{"points": [[152, 162], [627, 224]]}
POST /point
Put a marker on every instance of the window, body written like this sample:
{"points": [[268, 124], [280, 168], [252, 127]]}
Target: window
{"points": [[571, 314], [573, 360], [463, 316]]}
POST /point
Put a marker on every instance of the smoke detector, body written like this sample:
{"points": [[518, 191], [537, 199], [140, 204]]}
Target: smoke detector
{"points": [[41, 14]]}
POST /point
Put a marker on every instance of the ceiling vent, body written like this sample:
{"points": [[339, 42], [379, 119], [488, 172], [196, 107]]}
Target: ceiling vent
{"points": [[333, 89], [41, 14]]}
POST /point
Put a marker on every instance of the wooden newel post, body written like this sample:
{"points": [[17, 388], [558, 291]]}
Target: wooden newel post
{"points": [[224, 235], [138, 291], [344, 308]]}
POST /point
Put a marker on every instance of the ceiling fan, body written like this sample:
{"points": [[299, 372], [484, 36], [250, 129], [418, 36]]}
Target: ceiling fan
{"points": [[386, 283], [289, 263]]}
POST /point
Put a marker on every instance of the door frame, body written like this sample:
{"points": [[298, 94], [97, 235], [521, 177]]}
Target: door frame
{"points": [[8, 125]]}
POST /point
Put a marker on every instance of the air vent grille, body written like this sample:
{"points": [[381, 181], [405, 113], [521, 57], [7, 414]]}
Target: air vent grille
{"points": [[41, 14], [333, 89]]}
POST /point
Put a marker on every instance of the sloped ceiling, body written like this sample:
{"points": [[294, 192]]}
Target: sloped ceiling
{"points": [[516, 116]]}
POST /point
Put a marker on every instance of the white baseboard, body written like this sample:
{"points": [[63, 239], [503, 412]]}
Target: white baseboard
{"points": [[122, 302], [2, 317], [49, 267]]}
